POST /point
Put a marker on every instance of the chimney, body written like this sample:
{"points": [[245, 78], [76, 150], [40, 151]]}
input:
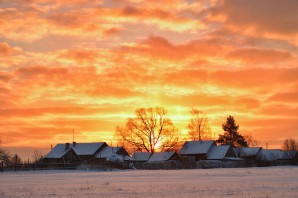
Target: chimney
{"points": [[74, 144], [67, 146]]}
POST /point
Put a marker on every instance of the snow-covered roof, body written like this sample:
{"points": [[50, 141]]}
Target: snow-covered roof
{"points": [[58, 151], [218, 152], [87, 148], [79, 148], [271, 155], [290, 154], [249, 151], [161, 156], [196, 147], [141, 156], [115, 158], [107, 151]]}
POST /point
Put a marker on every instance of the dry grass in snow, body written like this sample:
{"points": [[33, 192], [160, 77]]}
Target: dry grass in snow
{"points": [[242, 182]]}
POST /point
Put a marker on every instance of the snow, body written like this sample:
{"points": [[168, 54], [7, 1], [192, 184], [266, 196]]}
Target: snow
{"points": [[86, 148], [107, 151], [114, 158], [196, 147], [141, 156], [241, 182], [270, 155], [218, 152], [161, 156], [58, 151]]}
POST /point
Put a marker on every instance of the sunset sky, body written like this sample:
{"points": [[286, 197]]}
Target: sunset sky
{"points": [[86, 65]]}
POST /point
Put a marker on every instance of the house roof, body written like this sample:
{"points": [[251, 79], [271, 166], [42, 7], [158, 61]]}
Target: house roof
{"points": [[196, 147], [218, 152], [58, 151], [107, 151], [161, 156], [87, 148], [272, 154], [79, 148], [249, 151], [141, 156]]}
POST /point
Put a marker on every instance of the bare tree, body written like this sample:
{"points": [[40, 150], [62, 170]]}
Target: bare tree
{"points": [[198, 126], [251, 141], [5, 157], [149, 131], [16, 159], [290, 145], [37, 155]]}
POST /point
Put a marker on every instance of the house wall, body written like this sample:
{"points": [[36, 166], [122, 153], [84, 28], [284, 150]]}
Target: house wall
{"points": [[195, 157]]}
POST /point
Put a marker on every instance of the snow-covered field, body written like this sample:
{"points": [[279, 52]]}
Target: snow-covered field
{"points": [[240, 182]]}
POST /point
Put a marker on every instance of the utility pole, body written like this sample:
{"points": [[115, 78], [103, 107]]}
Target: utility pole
{"points": [[73, 135]]}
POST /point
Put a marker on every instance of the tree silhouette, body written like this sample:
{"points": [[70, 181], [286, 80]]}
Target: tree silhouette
{"points": [[149, 131], [198, 126], [290, 145], [16, 159], [231, 135]]}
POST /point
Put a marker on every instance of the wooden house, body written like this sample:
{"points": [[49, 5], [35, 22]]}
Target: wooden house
{"points": [[222, 152], [87, 151], [249, 153], [196, 149], [61, 153], [109, 151], [141, 156], [164, 156]]}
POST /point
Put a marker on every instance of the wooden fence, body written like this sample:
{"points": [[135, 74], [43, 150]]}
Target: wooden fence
{"points": [[169, 165]]}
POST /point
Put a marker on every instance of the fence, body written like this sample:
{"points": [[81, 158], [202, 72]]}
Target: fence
{"points": [[37, 166], [168, 165], [61, 166]]}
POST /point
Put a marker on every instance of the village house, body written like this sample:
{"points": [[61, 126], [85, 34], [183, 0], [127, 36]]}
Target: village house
{"points": [[109, 151], [61, 153], [164, 156], [248, 153], [196, 150], [66, 153], [141, 156], [87, 151], [275, 157], [222, 152]]}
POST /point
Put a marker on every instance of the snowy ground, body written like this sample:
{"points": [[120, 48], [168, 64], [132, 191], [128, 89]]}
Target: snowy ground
{"points": [[240, 182]]}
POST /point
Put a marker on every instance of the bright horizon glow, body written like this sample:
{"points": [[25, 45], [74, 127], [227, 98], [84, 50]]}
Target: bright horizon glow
{"points": [[87, 65]]}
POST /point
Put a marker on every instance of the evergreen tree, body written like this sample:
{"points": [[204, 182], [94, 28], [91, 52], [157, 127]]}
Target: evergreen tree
{"points": [[231, 135]]}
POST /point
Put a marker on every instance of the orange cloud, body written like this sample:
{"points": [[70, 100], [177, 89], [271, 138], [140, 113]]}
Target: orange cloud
{"points": [[88, 65], [260, 56], [270, 18]]}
